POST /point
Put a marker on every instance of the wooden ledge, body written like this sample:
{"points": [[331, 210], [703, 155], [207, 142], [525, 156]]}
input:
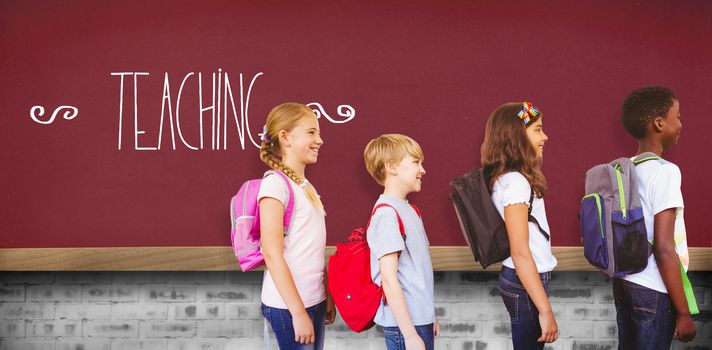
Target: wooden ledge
{"points": [[445, 258]]}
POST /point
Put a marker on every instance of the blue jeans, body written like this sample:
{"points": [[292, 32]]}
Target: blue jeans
{"points": [[395, 341], [523, 314], [646, 319], [281, 322]]}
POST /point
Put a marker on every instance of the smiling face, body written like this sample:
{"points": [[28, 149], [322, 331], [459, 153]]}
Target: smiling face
{"points": [[302, 143], [408, 173], [537, 137]]}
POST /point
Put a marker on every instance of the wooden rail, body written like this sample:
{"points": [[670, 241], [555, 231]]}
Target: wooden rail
{"points": [[445, 258]]}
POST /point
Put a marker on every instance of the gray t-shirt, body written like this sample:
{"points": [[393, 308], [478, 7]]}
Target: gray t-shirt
{"points": [[415, 270]]}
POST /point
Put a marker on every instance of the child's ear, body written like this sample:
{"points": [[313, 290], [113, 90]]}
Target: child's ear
{"points": [[390, 169], [283, 139], [658, 124]]}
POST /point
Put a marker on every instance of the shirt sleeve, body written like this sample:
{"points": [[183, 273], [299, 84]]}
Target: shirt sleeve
{"points": [[666, 191], [383, 235], [515, 189], [273, 186]]}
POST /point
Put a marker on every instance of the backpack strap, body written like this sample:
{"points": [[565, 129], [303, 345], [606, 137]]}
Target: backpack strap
{"points": [[689, 293], [417, 211], [289, 208], [642, 158], [531, 217], [401, 227], [531, 202]]}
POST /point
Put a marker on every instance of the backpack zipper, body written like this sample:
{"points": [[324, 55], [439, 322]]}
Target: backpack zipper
{"points": [[620, 182], [621, 192], [244, 198]]}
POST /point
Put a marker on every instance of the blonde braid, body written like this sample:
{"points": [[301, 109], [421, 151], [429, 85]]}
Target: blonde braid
{"points": [[268, 158], [314, 197]]}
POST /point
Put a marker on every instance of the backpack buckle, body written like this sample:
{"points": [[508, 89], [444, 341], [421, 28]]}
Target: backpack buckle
{"points": [[357, 235]]}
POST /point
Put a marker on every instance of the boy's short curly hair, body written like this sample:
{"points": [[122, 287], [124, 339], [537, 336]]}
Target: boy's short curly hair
{"points": [[388, 148], [644, 105]]}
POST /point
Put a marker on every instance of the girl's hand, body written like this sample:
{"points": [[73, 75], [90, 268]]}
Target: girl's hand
{"points": [[414, 342], [549, 329], [330, 311], [436, 328], [303, 329]]}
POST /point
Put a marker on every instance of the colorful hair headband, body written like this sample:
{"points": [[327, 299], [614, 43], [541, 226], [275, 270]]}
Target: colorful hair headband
{"points": [[527, 113], [264, 136]]}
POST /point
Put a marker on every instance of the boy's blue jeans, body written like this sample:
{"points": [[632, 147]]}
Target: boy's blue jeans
{"points": [[395, 341], [523, 314], [646, 319], [281, 322]]}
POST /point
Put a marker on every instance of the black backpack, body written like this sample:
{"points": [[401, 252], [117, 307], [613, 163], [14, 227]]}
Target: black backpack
{"points": [[480, 221]]}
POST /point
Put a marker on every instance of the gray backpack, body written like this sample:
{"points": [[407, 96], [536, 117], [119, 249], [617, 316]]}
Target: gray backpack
{"points": [[612, 225]]}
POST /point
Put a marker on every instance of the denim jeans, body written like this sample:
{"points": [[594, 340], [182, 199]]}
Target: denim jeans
{"points": [[281, 322], [395, 341], [523, 314], [646, 319]]}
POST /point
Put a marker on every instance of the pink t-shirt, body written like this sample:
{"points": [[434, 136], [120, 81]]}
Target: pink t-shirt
{"points": [[304, 246]]}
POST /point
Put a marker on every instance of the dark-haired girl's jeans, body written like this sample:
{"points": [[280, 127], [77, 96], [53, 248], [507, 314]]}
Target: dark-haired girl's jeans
{"points": [[646, 319], [523, 315], [281, 322], [395, 340]]}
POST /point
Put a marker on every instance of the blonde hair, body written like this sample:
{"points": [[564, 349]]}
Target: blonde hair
{"points": [[388, 148], [285, 117]]}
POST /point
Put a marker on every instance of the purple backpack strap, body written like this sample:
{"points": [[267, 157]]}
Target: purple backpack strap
{"points": [[289, 209]]}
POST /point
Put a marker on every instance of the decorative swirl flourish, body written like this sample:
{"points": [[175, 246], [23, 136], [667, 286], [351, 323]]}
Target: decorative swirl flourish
{"points": [[70, 113], [345, 111]]}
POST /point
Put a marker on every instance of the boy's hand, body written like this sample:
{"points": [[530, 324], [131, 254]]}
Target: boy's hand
{"points": [[436, 328], [330, 311], [414, 342], [549, 328], [303, 329], [684, 328]]}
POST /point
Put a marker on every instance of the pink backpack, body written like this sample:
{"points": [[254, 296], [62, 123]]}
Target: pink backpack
{"points": [[245, 218]]}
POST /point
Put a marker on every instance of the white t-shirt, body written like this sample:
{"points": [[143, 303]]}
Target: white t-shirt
{"points": [[659, 184], [513, 188], [304, 245]]}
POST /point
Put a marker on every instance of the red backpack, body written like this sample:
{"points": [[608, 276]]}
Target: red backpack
{"points": [[355, 295]]}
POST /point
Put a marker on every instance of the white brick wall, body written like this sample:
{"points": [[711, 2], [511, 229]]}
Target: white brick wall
{"points": [[220, 311]]}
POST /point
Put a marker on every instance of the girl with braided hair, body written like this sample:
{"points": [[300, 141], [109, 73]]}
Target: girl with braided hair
{"points": [[294, 297]]}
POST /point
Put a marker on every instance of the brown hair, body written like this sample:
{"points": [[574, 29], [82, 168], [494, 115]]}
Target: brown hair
{"points": [[388, 148], [507, 148], [285, 117]]}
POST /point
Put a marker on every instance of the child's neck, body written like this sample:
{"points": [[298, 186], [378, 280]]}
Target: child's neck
{"points": [[394, 192], [648, 145], [295, 165]]}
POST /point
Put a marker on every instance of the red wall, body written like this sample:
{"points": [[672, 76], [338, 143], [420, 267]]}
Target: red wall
{"points": [[431, 70]]}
